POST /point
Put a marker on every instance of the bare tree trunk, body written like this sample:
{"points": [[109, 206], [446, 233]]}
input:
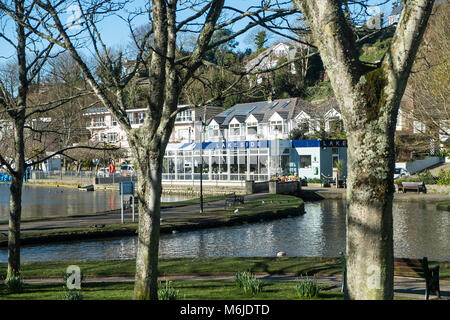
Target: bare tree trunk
{"points": [[369, 219], [149, 197], [369, 98], [15, 207], [15, 202]]}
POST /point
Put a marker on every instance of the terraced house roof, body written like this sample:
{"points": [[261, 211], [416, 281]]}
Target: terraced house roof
{"points": [[262, 111]]}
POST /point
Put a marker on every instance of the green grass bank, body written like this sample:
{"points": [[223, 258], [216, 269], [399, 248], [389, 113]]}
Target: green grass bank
{"points": [[198, 266]]}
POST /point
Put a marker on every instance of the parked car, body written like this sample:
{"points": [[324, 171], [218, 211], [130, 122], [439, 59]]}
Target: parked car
{"points": [[400, 172], [103, 172], [127, 169]]}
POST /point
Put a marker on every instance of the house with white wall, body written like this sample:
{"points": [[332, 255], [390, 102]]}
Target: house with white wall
{"points": [[269, 58], [103, 127]]}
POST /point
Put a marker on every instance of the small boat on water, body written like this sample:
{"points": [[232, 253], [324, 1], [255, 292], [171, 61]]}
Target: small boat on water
{"points": [[87, 188]]}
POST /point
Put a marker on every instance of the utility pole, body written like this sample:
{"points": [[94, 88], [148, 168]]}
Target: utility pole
{"points": [[201, 166]]}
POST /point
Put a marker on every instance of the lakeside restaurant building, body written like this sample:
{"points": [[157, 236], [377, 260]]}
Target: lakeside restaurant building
{"points": [[257, 160]]}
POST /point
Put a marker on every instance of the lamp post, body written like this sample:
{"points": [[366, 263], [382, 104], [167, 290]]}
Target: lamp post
{"points": [[201, 166], [104, 150], [277, 143], [60, 159]]}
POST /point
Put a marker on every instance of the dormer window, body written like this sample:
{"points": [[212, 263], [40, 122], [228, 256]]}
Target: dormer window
{"points": [[252, 128], [213, 131], [235, 129], [276, 126]]}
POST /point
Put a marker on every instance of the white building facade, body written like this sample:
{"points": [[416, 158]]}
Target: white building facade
{"points": [[251, 142]]}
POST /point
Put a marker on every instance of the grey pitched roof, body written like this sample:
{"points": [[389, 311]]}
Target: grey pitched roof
{"points": [[240, 118], [262, 111], [259, 116], [283, 114], [96, 110], [207, 112], [304, 106], [323, 108]]}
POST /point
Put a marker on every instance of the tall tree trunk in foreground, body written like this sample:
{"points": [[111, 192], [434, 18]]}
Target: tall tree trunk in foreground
{"points": [[17, 174], [15, 213], [369, 98]]}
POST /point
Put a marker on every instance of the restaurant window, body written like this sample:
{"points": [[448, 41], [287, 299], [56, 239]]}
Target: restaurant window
{"points": [[305, 162]]}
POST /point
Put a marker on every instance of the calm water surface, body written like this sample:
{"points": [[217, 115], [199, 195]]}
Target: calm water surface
{"points": [[419, 230], [39, 201]]}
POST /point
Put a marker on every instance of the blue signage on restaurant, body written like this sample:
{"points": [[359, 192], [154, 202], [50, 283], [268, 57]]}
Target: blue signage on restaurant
{"points": [[333, 143], [256, 144]]}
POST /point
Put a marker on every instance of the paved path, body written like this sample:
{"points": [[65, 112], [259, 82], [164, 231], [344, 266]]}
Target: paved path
{"points": [[413, 288], [114, 217], [336, 193]]}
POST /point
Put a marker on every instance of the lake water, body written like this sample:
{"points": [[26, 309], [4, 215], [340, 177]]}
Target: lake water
{"points": [[419, 230], [39, 201]]}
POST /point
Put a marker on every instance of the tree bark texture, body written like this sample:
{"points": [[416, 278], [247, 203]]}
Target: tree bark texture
{"points": [[149, 200], [369, 98], [18, 116]]}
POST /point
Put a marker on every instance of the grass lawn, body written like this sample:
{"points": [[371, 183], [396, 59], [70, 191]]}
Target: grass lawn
{"points": [[271, 265], [188, 290], [200, 266], [188, 202]]}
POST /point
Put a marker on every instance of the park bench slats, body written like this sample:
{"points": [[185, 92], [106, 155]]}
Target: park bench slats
{"points": [[408, 267], [414, 186]]}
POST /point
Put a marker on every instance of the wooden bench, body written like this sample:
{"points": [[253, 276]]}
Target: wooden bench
{"points": [[415, 186], [417, 268], [231, 199]]}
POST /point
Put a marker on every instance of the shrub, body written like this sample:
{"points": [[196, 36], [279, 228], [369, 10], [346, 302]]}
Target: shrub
{"points": [[241, 278], [72, 295], [167, 292], [427, 177], [14, 284], [307, 288], [443, 178], [248, 282]]}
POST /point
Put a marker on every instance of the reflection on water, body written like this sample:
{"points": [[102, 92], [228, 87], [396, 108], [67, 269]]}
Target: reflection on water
{"points": [[38, 201], [419, 230]]}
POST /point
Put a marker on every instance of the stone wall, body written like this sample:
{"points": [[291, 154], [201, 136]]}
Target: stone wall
{"points": [[284, 187], [256, 187]]}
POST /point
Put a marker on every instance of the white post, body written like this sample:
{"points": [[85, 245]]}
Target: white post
{"points": [[248, 162], [121, 204], [133, 207]]}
